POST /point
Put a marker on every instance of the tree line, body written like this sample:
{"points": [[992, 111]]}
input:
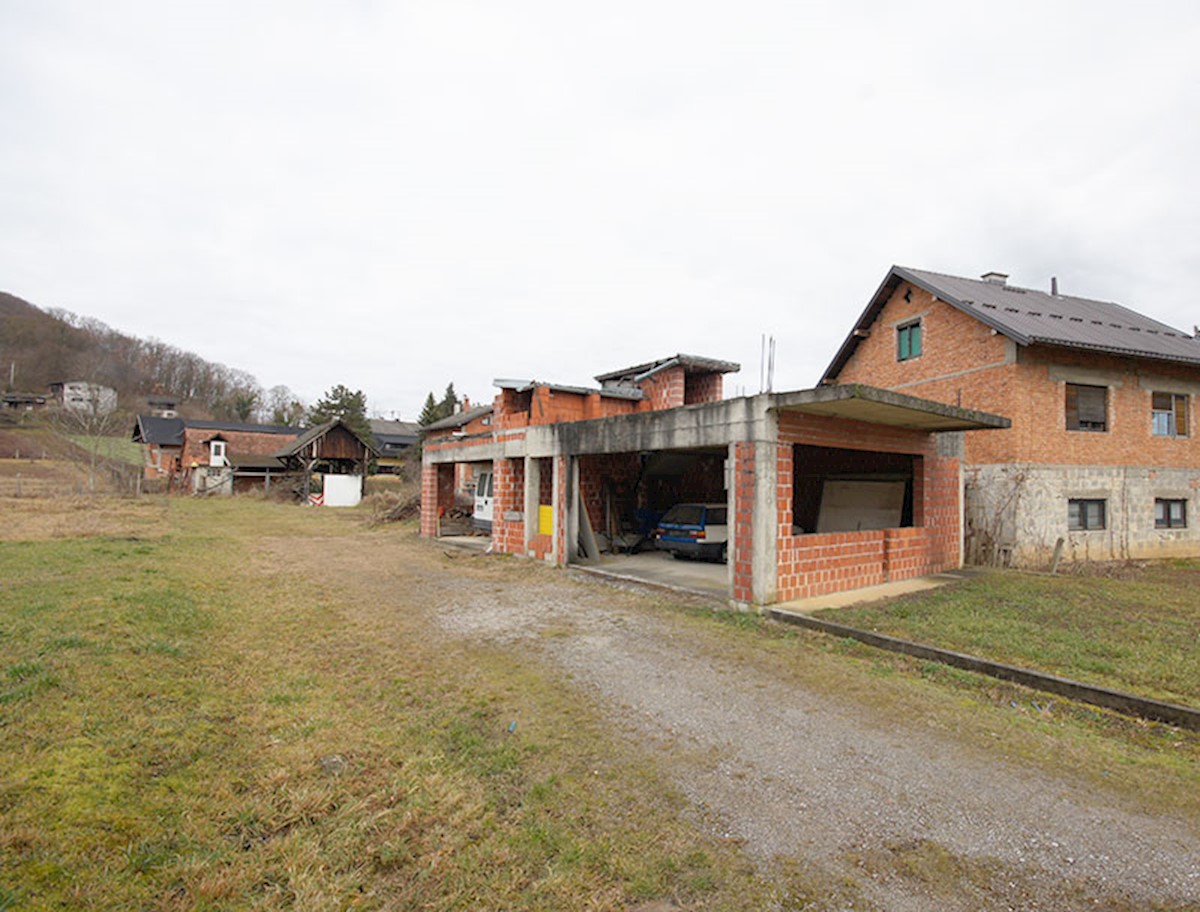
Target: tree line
{"points": [[39, 347]]}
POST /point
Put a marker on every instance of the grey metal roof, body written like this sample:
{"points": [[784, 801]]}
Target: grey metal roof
{"points": [[392, 434], [1032, 317], [394, 428], [169, 431], [160, 431], [239, 426], [690, 363], [458, 419]]}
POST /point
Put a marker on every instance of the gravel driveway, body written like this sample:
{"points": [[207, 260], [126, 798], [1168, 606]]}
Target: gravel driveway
{"points": [[876, 805]]}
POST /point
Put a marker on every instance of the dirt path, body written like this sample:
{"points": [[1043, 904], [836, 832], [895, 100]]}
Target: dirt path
{"points": [[883, 813]]}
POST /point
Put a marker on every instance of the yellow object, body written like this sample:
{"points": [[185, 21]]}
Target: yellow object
{"points": [[545, 520]]}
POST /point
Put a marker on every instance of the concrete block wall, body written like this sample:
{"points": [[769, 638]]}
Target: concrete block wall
{"points": [[1015, 513]]}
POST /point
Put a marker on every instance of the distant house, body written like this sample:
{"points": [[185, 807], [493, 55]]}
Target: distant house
{"points": [[1104, 448], [23, 402], [392, 438], [162, 406], [211, 456], [82, 396]]}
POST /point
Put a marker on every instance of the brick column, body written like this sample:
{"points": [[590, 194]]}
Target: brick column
{"points": [[740, 555], [437, 493], [508, 535]]}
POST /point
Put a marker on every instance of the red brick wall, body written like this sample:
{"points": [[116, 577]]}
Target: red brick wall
{"points": [[560, 528], [964, 363], [619, 470], [743, 522], [437, 494], [541, 545], [813, 564], [662, 390], [699, 388], [508, 535]]}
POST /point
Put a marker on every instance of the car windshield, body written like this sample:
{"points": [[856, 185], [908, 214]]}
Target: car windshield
{"points": [[684, 515]]}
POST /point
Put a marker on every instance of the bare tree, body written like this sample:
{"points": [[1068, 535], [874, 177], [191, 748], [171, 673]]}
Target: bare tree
{"points": [[90, 431]]}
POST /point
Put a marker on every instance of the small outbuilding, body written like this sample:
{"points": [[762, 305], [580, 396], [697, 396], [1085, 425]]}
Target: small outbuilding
{"points": [[338, 454]]}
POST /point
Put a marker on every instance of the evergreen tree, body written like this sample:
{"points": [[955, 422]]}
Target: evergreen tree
{"points": [[342, 402], [429, 412], [449, 404]]}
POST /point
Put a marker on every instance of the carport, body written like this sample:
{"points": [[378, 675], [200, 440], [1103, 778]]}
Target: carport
{"points": [[827, 489]]}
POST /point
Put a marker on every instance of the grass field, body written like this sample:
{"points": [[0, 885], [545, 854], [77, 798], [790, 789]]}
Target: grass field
{"points": [[185, 725], [193, 716], [1138, 631]]}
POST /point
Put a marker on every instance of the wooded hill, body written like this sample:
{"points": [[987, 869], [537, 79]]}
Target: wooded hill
{"points": [[39, 347]]}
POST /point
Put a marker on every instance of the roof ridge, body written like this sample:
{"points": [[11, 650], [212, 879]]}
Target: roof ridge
{"points": [[1018, 288]]}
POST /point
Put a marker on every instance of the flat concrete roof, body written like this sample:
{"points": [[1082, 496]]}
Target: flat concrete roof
{"points": [[878, 406]]}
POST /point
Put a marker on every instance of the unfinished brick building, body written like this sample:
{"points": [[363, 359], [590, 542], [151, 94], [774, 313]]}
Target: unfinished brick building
{"points": [[563, 457], [1102, 452]]}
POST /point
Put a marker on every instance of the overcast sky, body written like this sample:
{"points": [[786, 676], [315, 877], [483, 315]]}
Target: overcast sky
{"points": [[395, 195]]}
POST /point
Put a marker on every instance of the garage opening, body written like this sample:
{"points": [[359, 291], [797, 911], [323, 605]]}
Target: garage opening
{"points": [[625, 497], [842, 490]]}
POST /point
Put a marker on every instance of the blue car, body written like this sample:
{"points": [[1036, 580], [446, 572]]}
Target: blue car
{"points": [[694, 530]]}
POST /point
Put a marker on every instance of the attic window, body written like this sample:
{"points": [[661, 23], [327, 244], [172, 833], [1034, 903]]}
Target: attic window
{"points": [[908, 341], [216, 453]]}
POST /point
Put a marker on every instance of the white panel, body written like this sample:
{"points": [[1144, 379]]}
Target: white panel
{"points": [[856, 506], [342, 490]]}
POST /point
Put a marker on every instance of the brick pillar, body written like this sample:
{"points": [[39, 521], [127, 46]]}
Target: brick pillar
{"points": [[561, 510], [437, 494], [508, 535], [741, 554]]}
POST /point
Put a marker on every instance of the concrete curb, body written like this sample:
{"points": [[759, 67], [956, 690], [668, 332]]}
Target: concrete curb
{"points": [[1128, 704], [609, 576]]}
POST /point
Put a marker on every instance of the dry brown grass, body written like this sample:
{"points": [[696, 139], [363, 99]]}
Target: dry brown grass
{"points": [[42, 518]]}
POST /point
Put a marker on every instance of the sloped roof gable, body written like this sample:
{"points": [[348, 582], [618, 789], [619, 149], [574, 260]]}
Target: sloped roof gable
{"points": [[1031, 317]]}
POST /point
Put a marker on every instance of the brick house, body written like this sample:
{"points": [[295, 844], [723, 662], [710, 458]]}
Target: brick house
{"points": [[219, 456], [1102, 452], [567, 459]]}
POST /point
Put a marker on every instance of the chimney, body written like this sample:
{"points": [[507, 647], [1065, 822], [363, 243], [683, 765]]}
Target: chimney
{"points": [[995, 278], [1054, 285]]}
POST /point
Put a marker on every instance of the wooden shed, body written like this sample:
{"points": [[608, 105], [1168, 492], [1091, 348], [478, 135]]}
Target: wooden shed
{"points": [[335, 452]]}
